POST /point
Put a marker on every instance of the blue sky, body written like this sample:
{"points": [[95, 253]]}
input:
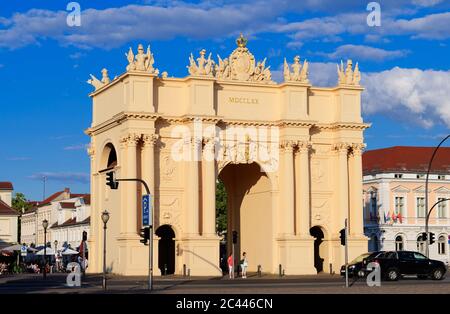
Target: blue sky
{"points": [[44, 65]]}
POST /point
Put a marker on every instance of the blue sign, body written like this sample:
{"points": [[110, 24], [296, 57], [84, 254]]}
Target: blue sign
{"points": [[146, 210]]}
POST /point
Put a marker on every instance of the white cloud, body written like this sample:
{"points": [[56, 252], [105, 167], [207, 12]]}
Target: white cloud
{"points": [[113, 27], [18, 158], [362, 52], [69, 177], [76, 147], [420, 96]]}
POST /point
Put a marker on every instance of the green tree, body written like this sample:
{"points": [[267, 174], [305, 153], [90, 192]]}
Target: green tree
{"points": [[221, 207], [20, 204]]}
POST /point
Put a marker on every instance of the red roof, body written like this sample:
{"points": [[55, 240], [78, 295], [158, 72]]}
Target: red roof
{"points": [[406, 159], [70, 205], [6, 186], [5, 209]]}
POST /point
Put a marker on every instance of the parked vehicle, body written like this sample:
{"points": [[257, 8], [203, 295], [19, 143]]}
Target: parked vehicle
{"points": [[355, 266], [393, 265]]}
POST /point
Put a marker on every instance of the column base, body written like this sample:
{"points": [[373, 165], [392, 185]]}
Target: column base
{"points": [[201, 255], [296, 255], [133, 256]]}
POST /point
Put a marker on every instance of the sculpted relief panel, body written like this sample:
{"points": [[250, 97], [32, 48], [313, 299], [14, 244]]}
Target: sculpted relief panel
{"points": [[169, 211]]}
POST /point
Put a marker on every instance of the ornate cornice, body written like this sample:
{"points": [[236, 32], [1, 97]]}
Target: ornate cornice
{"points": [[342, 126]]}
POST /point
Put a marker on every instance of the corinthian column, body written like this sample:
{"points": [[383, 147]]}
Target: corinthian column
{"points": [[192, 188], [209, 189], [148, 165], [129, 204], [289, 199], [342, 150], [303, 200], [356, 190]]}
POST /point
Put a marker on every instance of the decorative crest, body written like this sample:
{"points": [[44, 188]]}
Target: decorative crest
{"points": [[299, 73], [141, 61], [241, 41], [241, 66], [348, 76]]}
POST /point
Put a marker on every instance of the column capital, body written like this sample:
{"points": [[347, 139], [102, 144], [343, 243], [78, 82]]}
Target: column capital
{"points": [[357, 148], [288, 146], [304, 146], [130, 139], [150, 139], [341, 147]]}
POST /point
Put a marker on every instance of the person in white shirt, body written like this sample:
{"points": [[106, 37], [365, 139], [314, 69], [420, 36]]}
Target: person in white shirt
{"points": [[244, 265]]}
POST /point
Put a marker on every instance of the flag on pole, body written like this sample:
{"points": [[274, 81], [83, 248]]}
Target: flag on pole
{"points": [[400, 218]]}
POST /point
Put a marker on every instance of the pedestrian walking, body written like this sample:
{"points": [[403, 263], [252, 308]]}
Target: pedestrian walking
{"points": [[244, 265], [231, 266]]}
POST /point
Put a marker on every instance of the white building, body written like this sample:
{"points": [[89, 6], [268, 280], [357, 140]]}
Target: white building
{"points": [[394, 199], [68, 215], [8, 216]]}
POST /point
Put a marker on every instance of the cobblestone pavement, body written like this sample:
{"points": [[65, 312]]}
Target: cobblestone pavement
{"points": [[318, 284]]}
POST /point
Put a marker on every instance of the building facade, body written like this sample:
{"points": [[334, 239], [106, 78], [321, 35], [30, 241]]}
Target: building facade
{"points": [[67, 215], [289, 155], [394, 197], [8, 216]]}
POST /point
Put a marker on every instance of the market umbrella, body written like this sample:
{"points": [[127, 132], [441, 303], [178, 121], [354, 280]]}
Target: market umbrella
{"points": [[17, 247], [69, 252], [48, 251]]}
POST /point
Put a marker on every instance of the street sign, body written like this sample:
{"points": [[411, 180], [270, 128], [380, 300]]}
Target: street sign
{"points": [[147, 210], [23, 250]]}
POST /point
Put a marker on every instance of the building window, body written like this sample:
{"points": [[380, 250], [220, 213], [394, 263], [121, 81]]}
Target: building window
{"points": [[420, 244], [373, 205], [399, 205], [420, 207], [399, 245], [441, 245], [398, 175], [442, 208]]}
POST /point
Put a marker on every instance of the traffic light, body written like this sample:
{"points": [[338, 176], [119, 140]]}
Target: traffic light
{"points": [[235, 235], [424, 236], [111, 180], [431, 238], [145, 235], [342, 236]]}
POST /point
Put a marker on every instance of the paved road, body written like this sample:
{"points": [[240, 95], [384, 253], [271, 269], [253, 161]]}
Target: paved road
{"points": [[324, 284]]}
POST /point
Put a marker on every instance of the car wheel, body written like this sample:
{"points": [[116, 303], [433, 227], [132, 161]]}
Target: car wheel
{"points": [[392, 274], [437, 274]]}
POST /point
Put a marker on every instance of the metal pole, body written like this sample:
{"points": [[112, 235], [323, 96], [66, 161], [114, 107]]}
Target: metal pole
{"points": [[45, 253], [104, 256], [232, 253], [427, 249], [346, 253], [150, 248]]}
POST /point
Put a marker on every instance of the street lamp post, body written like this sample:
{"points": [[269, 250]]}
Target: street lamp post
{"points": [[45, 225], [105, 218], [427, 242], [56, 255]]}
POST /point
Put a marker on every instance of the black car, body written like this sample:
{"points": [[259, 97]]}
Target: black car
{"points": [[393, 265], [355, 266]]}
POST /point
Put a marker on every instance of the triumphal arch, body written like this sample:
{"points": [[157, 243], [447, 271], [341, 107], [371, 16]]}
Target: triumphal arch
{"points": [[289, 155]]}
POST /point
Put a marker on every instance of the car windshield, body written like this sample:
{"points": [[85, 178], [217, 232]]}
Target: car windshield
{"points": [[360, 258]]}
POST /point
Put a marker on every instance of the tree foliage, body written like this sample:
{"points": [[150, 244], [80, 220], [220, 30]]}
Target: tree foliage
{"points": [[221, 207], [20, 203]]}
